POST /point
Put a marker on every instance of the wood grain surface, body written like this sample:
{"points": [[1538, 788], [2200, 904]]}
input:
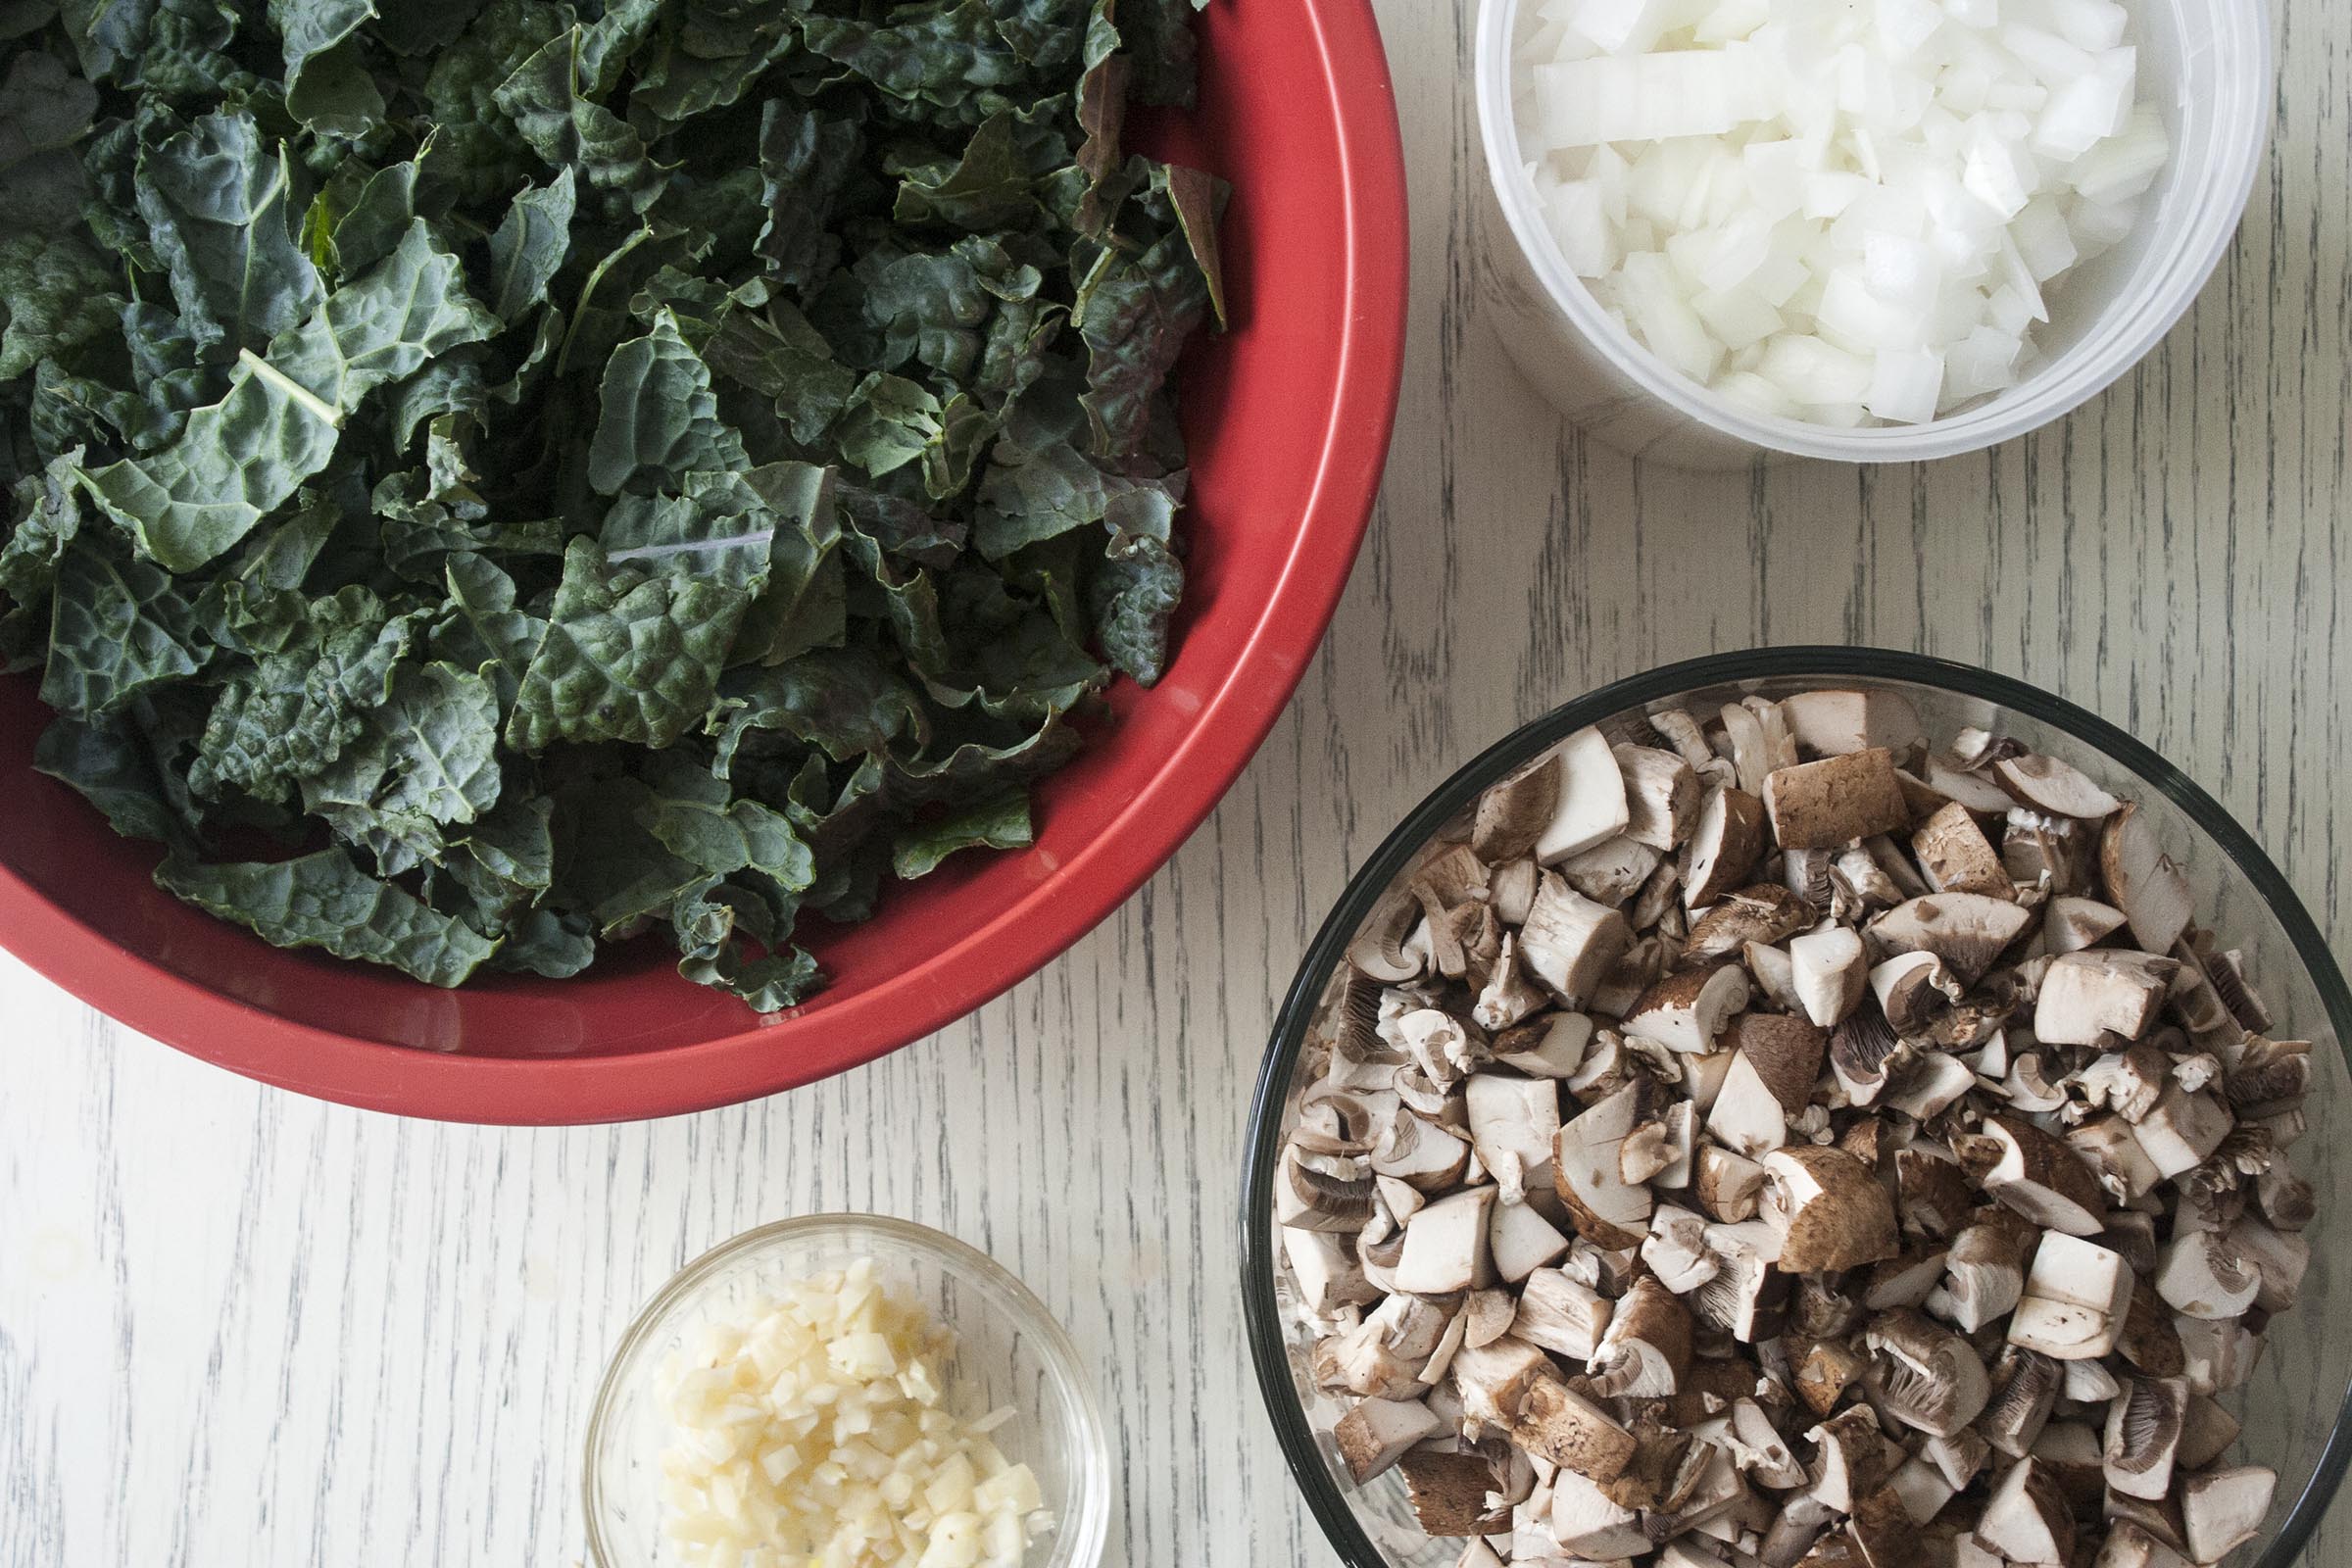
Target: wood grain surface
{"points": [[238, 1327]]}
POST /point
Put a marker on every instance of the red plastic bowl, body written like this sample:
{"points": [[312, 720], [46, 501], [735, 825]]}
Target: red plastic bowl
{"points": [[1288, 415]]}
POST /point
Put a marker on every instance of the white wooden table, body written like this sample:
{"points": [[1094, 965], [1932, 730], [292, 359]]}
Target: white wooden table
{"points": [[241, 1328]]}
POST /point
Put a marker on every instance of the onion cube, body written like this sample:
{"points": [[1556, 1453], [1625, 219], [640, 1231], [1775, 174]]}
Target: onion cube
{"points": [[1814, 372], [1905, 385], [1732, 20], [2123, 167], [1738, 318], [1985, 361], [1757, 395], [2041, 234], [2087, 109], [1907, 25], [1575, 211], [2093, 24], [1978, 14], [1690, 92], [1999, 172]]}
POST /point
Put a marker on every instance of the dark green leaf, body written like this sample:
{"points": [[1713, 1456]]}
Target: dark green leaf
{"points": [[529, 247], [1002, 824], [120, 627], [628, 655], [569, 132], [215, 198], [241, 456], [660, 419], [324, 900], [56, 294]]}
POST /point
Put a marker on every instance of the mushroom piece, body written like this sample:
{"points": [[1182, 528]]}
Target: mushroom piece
{"points": [[1448, 1493], [2091, 994], [1933, 1191], [1591, 808], [1420, 1152], [1494, 1380], [2216, 1356], [2071, 923], [1832, 722], [1589, 1526], [1513, 1124], [1563, 1428], [1830, 1212], [1511, 890], [2025, 1388], [1747, 1118], [1509, 995], [1764, 911], [2144, 1422], [2280, 1258], [1924, 1376], [1487, 1316], [1724, 846], [2088, 1383], [2144, 881], [1661, 797], [2128, 1545], [2027, 1519], [1958, 1457], [1728, 1186], [1561, 1315], [1646, 1346], [1774, 975], [2207, 1430], [1956, 856], [2183, 1130], [1912, 987], [1322, 1192], [1925, 1086], [1520, 1240], [1827, 1370], [2207, 1274], [1686, 1010], [2077, 1295], [1829, 971], [1478, 1554], [2107, 1146], [1552, 1046], [1984, 1275], [1445, 1245], [1611, 871], [2041, 1178], [2220, 1510], [1860, 1052], [1512, 814], [1853, 1459], [1325, 1271], [1569, 942], [1677, 1251], [1376, 1433], [2047, 784], [1587, 1174], [1822, 805], [1386, 951], [1968, 931]]}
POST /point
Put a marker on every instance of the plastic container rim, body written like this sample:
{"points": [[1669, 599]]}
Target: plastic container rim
{"points": [[2127, 332]]}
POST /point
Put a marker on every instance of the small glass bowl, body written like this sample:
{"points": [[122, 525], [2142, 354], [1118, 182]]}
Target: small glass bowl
{"points": [[2297, 1406], [1007, 1343]]}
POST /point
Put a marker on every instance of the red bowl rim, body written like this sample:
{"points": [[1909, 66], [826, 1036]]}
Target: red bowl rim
{"points": [[754, 1061]]}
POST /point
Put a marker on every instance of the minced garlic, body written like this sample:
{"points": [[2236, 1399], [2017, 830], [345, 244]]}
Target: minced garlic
{"points": [[813, 1430]]}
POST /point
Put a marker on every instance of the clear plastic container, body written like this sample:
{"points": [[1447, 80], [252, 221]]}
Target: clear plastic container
{"points": [[2206, 64], [1006, 1342]]}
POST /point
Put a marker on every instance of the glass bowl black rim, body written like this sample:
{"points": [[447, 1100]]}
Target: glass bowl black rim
{"points": [[1261, 1314]]}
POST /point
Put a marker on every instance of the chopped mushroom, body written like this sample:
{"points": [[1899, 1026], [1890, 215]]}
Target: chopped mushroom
{"points": [[1718, 1080], [1376, 1433], [1591, 807], [2220, 1510]]}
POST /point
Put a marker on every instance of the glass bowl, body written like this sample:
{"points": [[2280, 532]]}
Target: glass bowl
{"points": [[2297, 1407], [1007, 1343]]}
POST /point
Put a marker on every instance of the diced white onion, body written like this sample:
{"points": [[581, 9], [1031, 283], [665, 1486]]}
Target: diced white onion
{"points": [[1840, 212]]}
